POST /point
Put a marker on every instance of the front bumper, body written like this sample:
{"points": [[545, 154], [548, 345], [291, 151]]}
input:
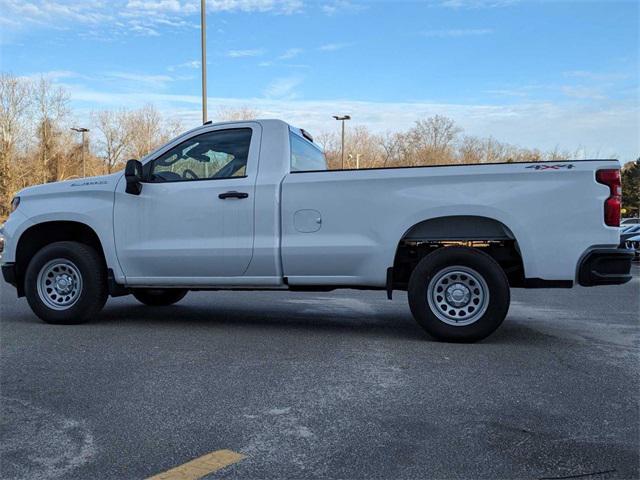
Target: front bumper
{"points": [[605, 266]]}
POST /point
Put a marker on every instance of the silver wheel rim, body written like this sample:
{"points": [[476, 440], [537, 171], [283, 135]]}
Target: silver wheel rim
{"points": [[458, 296], [59, 284]]}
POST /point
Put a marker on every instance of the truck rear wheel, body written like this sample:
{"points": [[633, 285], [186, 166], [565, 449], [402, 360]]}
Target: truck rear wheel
{"points": [[459, 294], [66, 283], [159, 297]]}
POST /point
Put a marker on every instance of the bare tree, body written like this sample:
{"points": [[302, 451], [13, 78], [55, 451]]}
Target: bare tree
{"points": [[117, 131], [149, 131], [432, 140], [228, 114], [52, 109], [363, 149], [391, 143], [470, 150], [15, 103]]}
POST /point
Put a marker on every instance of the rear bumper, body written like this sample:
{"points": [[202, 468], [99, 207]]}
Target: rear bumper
{"points": [[605, 266]]}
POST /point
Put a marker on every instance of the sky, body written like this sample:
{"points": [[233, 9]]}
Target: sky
{"points": [[551, 74]]}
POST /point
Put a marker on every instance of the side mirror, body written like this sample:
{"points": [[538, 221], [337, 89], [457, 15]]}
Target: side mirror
{"points": [[133, 175]]}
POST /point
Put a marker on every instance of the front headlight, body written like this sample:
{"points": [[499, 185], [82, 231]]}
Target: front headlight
{"points": [[14, 203]]}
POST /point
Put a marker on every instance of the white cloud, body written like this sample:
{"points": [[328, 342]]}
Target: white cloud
{"points": [[173, 6], [291, 53], [144, 30], [278, 6], [596, 76], [53, 13], [138, 79], [332, 47], [292, 6], [582, 92], [256, 52], [9, 23], [577, 84], [341, 6], [454, 33], [283, 88], [193, 6], [191, 64], [518, 91], [475, 3], [54, 75], [125, 17]]}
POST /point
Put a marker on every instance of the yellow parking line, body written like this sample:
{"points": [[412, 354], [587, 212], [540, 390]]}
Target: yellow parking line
{"points": [[201, 466]]}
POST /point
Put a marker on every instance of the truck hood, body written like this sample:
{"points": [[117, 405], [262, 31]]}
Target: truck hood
{"points": [[102, 182]]}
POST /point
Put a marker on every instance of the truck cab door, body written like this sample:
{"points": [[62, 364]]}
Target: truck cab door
{"points": [[193, 221]]}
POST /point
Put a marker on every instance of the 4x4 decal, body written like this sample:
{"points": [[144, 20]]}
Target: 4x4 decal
{"points": [[568, 166]]}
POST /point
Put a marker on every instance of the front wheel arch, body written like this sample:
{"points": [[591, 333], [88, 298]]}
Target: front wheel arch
{"points": [[42, 234]]}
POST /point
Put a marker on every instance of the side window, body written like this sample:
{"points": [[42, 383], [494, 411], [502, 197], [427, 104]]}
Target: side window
{"points": [[212, 155], [305, 156]]}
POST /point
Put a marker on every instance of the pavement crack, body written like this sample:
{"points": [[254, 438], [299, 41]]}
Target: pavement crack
{"points": [[579, 475]]}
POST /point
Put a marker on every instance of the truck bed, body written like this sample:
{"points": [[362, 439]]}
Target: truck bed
{"points": [[553, 210]]}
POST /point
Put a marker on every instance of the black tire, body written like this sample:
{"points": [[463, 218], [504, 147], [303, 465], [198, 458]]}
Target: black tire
{"points": [[91, 294], [437, 267], [159, 297]]}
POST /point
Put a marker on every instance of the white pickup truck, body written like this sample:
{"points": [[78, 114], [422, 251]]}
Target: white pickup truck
{"points": [[251, 205]]}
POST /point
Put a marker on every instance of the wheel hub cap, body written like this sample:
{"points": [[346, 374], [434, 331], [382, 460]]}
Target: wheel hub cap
{"points": [[458, 295], [64, 283], [59, 284]]}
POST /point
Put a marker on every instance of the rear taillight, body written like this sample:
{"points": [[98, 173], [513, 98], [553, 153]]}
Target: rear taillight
{"points": [[612, 205]]}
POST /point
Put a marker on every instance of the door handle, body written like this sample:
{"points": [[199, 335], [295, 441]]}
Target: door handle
{"points": [[225, 195]]}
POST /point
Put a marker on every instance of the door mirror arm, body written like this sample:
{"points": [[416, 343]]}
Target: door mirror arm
{"points": [[133, 176]]}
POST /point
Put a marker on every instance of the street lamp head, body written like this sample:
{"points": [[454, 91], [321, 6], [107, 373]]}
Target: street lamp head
{"points": [[79, 129], [343, 117]]}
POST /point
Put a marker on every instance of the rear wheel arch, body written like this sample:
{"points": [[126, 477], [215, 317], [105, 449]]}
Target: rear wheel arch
{"points": [[484, 233], [42, 234], [459, 227]]}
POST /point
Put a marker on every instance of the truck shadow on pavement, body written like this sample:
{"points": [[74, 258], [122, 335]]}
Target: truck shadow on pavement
{"points": [[399, 325]]}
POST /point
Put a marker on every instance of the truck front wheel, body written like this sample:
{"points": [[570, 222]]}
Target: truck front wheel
{"points": [[66, 283], [459, 294], [159, 297]]}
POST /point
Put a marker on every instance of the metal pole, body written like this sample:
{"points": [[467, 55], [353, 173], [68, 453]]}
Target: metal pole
{"points": [[84, 170], [342, 118], [203, 39], [342, 144], [82, 131]]}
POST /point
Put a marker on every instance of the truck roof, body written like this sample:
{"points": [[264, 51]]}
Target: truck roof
{"points": [[233, 122]]}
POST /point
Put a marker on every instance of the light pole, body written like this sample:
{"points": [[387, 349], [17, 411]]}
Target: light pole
{"points": [[203, 41], [342, 119], [83, 131], [358, 155]]}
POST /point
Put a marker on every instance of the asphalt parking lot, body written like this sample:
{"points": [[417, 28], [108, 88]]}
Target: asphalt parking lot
{"points": [[332, 385]]}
